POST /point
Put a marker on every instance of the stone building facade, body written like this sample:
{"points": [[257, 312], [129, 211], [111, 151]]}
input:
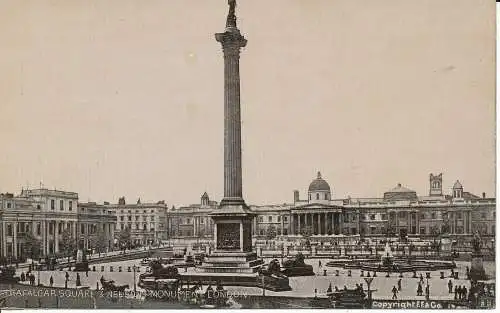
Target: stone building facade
{"points": [[399, 212], [146, 221], [193, 220], [44, 215]]}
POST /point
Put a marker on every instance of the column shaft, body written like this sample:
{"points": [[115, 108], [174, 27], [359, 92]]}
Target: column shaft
{"points": [[14, 242]]}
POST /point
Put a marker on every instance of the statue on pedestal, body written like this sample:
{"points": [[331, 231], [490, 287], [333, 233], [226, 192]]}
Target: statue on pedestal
{"points": [[477, 269]]}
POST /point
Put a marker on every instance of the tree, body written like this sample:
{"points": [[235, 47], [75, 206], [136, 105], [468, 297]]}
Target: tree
{"points": [[271, 232], [99, 240], [68, 243], [32, 246], [124, 238]]}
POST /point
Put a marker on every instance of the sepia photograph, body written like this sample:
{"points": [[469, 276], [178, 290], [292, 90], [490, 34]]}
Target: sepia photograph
{"points": [[248, 154]]}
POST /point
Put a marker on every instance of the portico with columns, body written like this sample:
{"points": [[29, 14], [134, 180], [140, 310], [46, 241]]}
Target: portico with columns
{"points": [[316, 219]]}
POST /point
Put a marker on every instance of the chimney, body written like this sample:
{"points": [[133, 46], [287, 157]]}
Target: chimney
{"points": [[296, 196], [484, 195]]}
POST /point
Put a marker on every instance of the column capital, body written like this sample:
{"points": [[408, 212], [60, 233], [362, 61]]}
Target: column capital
{"points": [[232, 41]]}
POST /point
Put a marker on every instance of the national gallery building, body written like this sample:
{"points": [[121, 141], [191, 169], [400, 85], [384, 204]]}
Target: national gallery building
{"points": [[399, 212]]}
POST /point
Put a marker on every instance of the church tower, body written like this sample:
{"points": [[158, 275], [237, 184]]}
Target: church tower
{"points": [[436, 185]]}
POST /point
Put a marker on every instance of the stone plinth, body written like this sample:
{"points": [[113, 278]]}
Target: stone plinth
{"points": [[231, 262], [476, 268]]}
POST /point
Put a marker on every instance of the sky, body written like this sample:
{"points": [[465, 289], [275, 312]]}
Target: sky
{"points": [[125, 98]]}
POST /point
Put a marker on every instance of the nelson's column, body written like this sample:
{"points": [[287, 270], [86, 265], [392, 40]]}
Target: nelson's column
{"points": [[233, 253]]}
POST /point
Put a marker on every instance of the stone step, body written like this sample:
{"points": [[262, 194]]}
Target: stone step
{"points": [[233, 264]]}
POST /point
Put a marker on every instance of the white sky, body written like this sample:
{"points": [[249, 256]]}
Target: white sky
{"points": [[125, 98]]}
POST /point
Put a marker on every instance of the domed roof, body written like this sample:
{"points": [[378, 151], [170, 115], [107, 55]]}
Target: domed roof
{"points": [[400, 188], [457, 185], [400, 193], [319, 184]]}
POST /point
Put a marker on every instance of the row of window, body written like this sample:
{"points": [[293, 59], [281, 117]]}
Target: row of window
{"points": [[270, 219], [326, 196], [144, 218], [61, 205], [136, 211], [137, 226]]}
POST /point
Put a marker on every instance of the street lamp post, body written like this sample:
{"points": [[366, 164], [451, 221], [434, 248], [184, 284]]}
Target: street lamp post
{"points": [[368, 281], [134, 280]]}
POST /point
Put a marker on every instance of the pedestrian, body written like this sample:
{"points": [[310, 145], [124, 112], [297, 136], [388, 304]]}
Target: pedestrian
{"points": [[87, 272], [399, 284], [427, 292], [66, 284], [450, 286], [67, 276], [456, 292], [78, 282], [421, 278], [419, 289], [394, 293], [465, 293], [23, 277], [51, 281], [319, 263]]}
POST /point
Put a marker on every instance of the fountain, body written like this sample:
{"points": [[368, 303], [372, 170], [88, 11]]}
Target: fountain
{"points": [[389, 263]]}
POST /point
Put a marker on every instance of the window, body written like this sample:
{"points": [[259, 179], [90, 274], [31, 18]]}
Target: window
{"points": [[38, 207], [326, 196], [433, 215], [354, 219], [152, 211], [202, 220], [310, 197], [144, 227], [363, 217], [152, 217], [188, 221], [61, 205], [384, 216], [285, 219], [270, 218], [261, 219], [143, 211], [372, 217], [261, 232], [9, 230], [285, 231], [402, 214], [137, 226], [9, 205], [38, 229], [483, 215], [121, 227], [71, 205], [317, 196], [137, 217], [59, 228], [52, 204], [82, 229], [279, 218], [129, 217], [121, 218], [459, 216]]}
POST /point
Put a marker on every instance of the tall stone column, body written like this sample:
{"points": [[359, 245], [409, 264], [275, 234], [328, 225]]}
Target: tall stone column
{"points": [[56, 237], [232, 41], [325, 223], [4, 240], [298, 224], [14, 243]]}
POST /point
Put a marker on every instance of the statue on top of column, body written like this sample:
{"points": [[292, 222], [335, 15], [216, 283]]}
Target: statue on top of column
{"points": [[231, 16]]}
